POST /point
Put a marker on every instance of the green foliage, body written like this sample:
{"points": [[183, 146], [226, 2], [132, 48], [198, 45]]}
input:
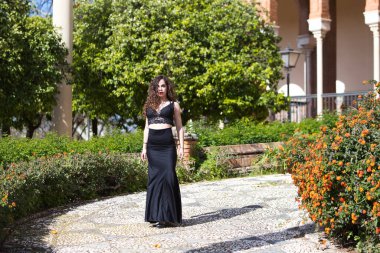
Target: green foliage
{"points": [[91, 95], [28, 187], [267, 163], [338, 177], [214, 165], [43, 61], [30, 149], [246, 132], [31, 62], [12, 16], [186, 170], [222, 56]]}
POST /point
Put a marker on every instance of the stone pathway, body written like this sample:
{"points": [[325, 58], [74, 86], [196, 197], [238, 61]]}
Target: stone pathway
{"points": [[251, 214]]}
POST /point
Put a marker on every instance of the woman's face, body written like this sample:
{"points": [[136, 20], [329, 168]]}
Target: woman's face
{"points": [[162, 89]]}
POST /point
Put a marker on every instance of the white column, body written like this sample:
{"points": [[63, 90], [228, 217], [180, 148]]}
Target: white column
{"points": [[319, 37], [319, 27], [308, 81], [307, 43], [376, 52], [372, 19], [62, 112], [308, 70]]}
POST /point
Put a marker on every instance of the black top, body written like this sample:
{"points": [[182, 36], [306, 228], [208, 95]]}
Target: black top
{"points": [[164, 116]]}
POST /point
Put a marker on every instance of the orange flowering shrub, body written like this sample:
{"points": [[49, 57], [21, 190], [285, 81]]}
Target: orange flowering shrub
{"points": [[337, 173]]}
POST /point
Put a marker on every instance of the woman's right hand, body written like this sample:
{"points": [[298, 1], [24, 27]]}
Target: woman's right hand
{"points": [[143, 154]]}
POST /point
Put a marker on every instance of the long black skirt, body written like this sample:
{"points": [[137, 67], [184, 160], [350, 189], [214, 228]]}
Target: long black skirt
{"points": [[163, 199]]}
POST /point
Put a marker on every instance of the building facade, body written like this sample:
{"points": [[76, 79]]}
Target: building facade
{"points": [[339, 41]]}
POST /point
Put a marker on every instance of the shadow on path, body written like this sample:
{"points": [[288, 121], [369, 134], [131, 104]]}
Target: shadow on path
{"points": [[257, 241], [34, 228], [227, 213]]}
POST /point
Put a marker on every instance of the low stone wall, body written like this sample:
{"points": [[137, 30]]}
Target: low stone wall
{"points": [[242, 155]]}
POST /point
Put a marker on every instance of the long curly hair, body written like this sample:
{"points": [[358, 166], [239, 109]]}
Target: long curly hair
{"points": [[153, 100]]}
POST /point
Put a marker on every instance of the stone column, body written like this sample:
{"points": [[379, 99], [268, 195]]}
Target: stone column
{"points": [[307, 43], [372, 19], [62, 112], [319, 24]]}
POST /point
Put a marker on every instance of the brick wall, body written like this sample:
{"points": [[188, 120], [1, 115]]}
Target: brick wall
{"points": [[242, 155]]}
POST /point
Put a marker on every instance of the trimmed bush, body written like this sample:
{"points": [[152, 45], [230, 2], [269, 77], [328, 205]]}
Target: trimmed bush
{"points": [[247, 132], [23, 149], [28, 187], [337, 173]]}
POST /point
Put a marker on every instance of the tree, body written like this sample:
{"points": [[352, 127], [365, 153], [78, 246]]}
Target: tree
{"points": [[91, 32], [222, 56], [44, 65], [12, 13], [33, 63]]}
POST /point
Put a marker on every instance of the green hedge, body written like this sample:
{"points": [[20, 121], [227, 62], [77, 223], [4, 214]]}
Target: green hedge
{"points": [[247, 132], [28, 187], [14, 150]]}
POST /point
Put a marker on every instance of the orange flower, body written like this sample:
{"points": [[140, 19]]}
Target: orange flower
{"points": [[364, 133]]}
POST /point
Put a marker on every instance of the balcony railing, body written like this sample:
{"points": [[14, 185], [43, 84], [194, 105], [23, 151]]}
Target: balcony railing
{"points": [[302, 107]]}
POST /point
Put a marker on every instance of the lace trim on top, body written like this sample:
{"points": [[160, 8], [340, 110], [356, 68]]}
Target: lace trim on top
{"points": [[160, 120], [164, 116]]}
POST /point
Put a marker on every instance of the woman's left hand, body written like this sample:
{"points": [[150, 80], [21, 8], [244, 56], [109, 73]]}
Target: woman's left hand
{"points": [[180, 153]]}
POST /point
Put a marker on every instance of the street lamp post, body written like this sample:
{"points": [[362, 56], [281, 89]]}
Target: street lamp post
{"points": [[290, 58]]}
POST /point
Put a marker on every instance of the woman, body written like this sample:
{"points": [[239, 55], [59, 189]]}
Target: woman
{"points": [[163, 200]]}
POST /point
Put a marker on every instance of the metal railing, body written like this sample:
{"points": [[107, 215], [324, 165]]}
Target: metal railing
{"points": [[302, 107]]}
